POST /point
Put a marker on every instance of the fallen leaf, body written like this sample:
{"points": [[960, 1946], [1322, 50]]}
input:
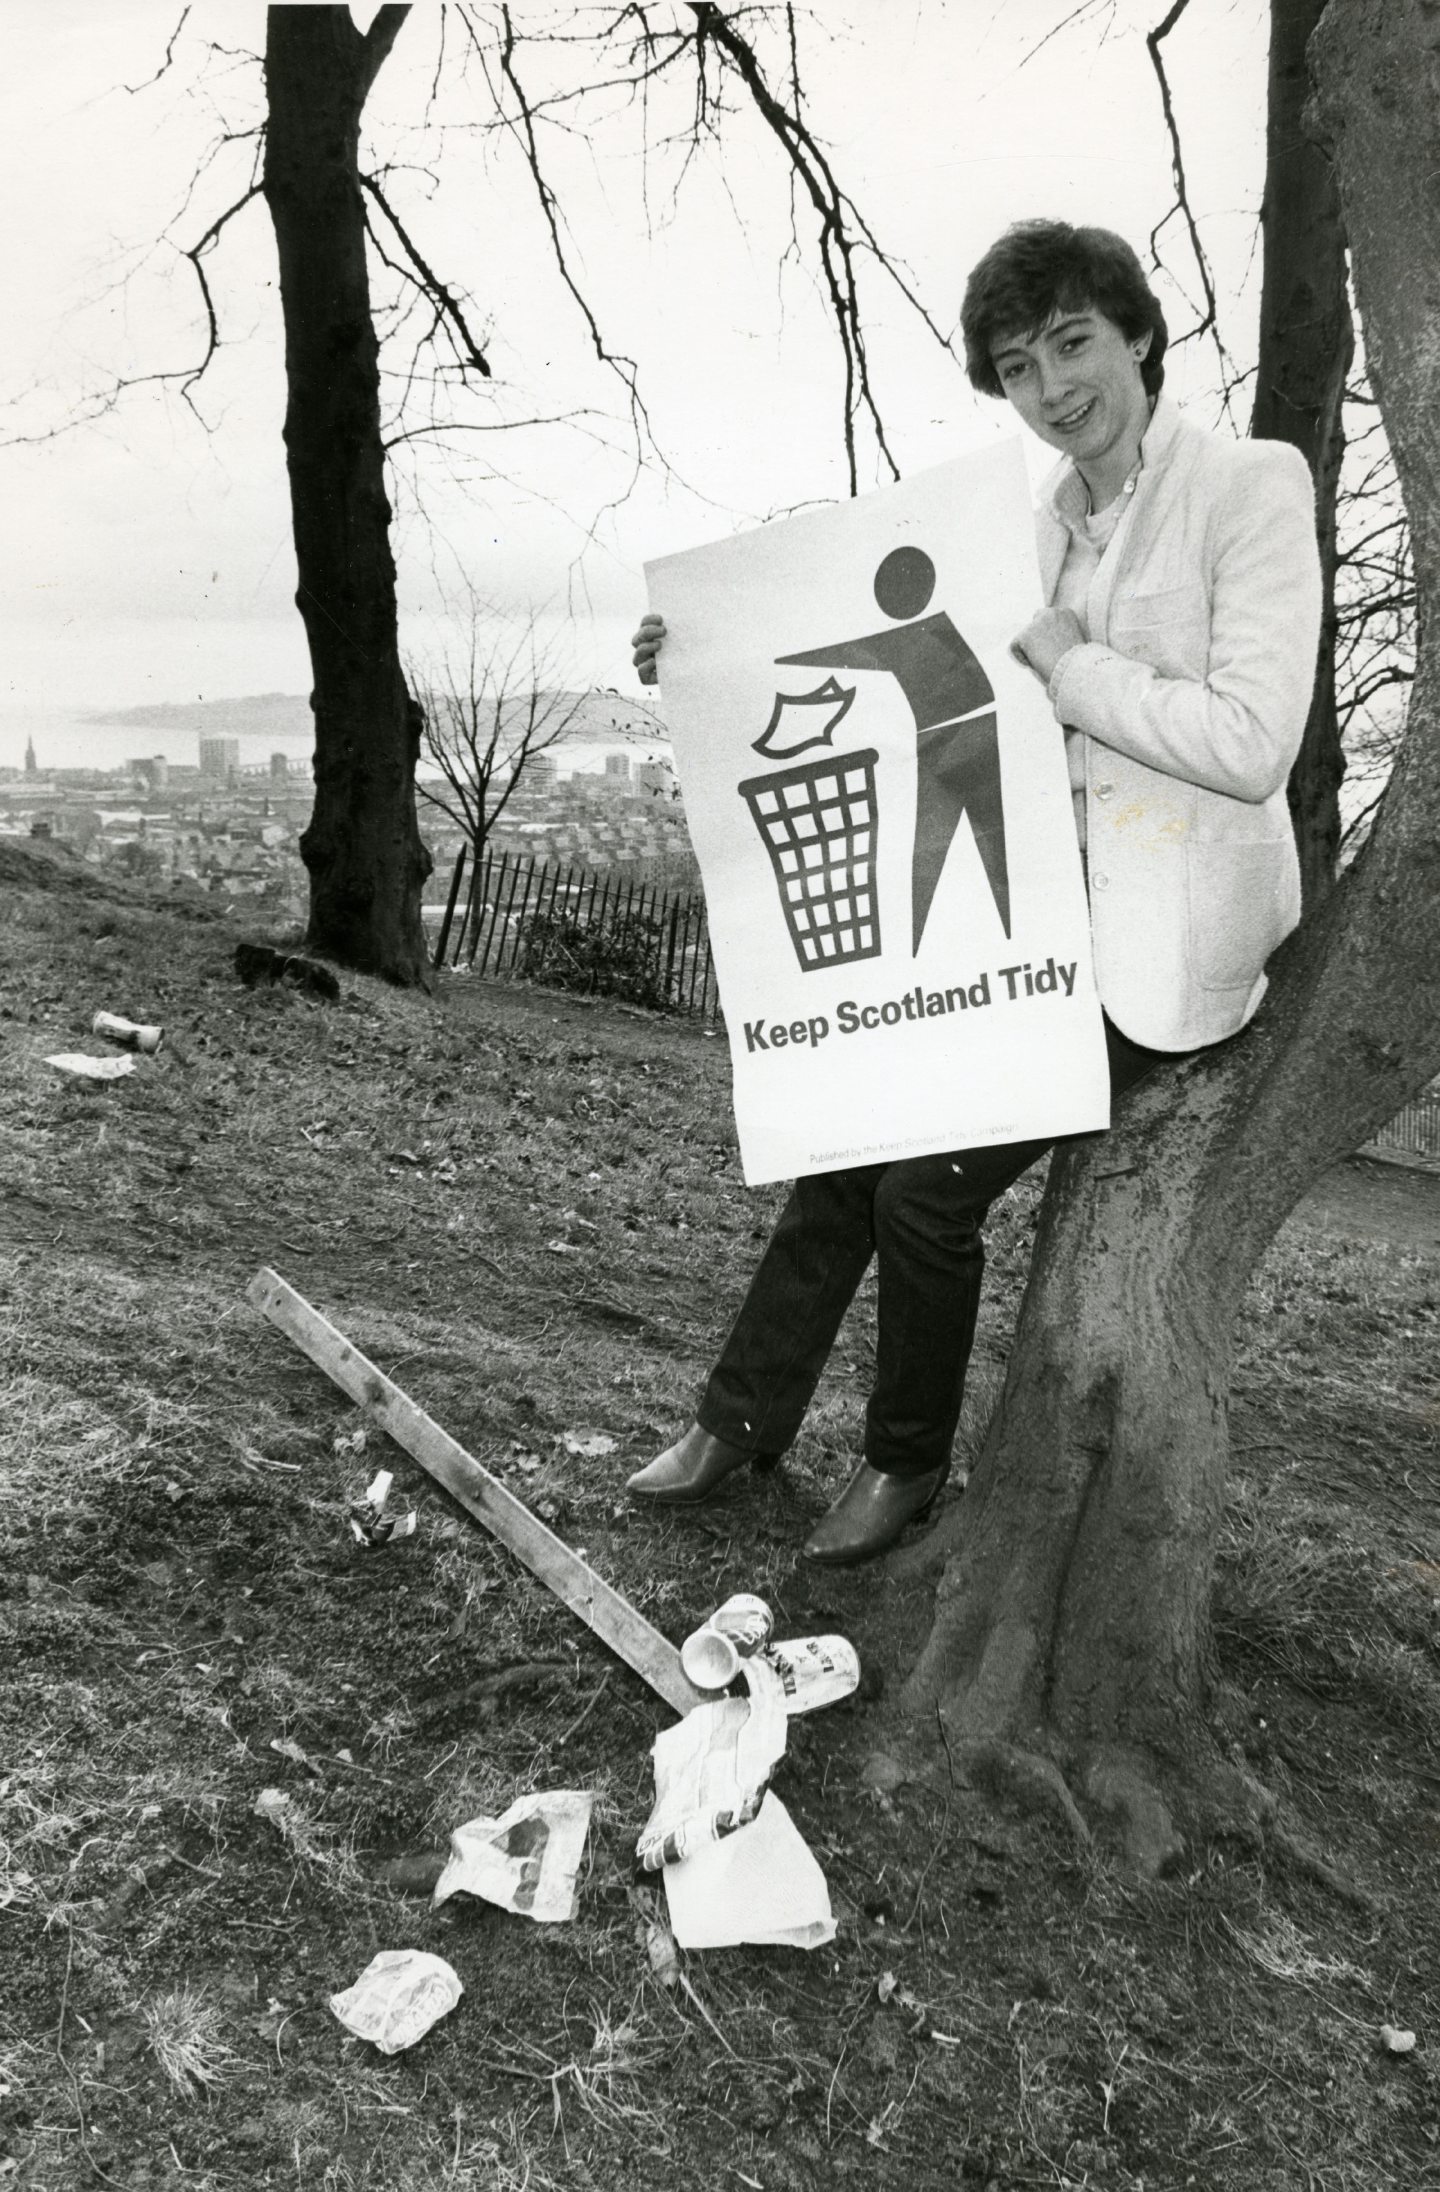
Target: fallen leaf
{"points": [[588, 1444], [662, 1952], [1396, 2040], [291, 1750]]}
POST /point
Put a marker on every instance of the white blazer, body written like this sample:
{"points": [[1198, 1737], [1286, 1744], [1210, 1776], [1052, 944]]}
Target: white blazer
{"points": [[1192, 695]]}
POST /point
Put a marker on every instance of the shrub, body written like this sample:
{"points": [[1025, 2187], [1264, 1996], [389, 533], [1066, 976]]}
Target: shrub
{"points": [[619, 956]]}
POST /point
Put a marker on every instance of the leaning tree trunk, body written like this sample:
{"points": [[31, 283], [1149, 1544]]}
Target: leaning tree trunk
{"points": [[363, 850], [1072, 1617], [1307, 344]]}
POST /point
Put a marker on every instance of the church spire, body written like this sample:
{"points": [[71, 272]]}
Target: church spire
{"points": [[30, 757]]}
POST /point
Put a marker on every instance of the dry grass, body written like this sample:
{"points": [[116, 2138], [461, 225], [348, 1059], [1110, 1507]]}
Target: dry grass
{"points": [[185, 2032]]}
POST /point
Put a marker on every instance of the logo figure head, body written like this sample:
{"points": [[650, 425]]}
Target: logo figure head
{"points": [[904, 583]]}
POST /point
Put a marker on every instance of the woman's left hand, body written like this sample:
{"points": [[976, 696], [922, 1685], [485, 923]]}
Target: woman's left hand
{"points": [[1045, 639]]}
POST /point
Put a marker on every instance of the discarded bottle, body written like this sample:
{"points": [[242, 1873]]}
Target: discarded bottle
{"points": [[127, 1033]]}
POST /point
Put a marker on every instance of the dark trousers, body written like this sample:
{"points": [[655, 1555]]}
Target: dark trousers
{"points": [[921, 1219]]}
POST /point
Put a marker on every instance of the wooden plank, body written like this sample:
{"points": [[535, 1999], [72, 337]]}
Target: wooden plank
{"points": [[613, 1619]]}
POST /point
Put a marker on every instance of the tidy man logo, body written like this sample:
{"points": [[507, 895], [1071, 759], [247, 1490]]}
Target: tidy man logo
{"points": [[957, 757]]}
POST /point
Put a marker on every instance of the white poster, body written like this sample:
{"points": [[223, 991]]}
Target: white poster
{"points": [[878, 796]]}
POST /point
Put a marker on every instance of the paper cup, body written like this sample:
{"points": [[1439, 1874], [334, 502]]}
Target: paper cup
{"points": [[709, 1660]]}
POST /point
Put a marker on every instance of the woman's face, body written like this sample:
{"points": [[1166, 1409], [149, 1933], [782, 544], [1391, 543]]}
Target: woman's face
{"points": [[1077, 385]]}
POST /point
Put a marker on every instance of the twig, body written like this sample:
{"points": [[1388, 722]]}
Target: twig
{"points": [[929, 1864], [1209, 322], [710, 2021], [448, 304], [945, 1739], [576, 1725], [169, 55]]}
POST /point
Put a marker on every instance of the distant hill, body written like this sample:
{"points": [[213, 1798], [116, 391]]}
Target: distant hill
{"points": [[255, 716], [600, 716]]}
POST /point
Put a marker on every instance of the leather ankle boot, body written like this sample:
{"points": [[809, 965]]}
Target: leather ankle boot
{"points": [[870, 1514], [692, 1469]]}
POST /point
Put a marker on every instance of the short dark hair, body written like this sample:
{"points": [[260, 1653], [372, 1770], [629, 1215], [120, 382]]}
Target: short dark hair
{"points": [[1039, 268]]}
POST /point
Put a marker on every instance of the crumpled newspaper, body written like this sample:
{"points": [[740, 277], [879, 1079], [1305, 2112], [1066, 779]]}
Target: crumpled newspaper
{"points": [[399, 1995], [711, 1770], [760, 1885], [527, 1859]]}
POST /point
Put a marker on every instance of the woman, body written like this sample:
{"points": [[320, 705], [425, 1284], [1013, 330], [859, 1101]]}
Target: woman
{"points": [[1177, 646]]}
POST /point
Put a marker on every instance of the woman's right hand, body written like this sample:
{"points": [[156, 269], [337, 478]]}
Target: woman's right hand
{"points": [[647, 643]]}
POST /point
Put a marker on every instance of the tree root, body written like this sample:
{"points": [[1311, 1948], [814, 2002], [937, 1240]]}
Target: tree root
{"points": [[928, 1554], [1034, 1781], [1153, 1813], [1306, 1859]]}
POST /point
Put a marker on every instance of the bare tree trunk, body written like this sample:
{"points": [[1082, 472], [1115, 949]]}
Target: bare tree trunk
{"points": [[1307, 344], [1073, 1618], [363, 850]]}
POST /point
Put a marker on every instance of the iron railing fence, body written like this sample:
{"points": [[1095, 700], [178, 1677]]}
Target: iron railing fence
{"points": [[523, 915], [1415, 1131], [577, 928]]}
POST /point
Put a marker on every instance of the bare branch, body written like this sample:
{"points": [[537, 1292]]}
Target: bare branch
{"points": [[378, 40], [186, 375], [446, 301], [1076, 15], [837, 246], [169, 56], [196, 255], [1209, 322], [624, 367]]}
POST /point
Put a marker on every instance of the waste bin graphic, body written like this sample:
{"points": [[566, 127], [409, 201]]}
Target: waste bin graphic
{"points": [[818, 821]]}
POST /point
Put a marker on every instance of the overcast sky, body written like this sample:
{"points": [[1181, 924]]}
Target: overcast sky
{"points": [[147, 554]]}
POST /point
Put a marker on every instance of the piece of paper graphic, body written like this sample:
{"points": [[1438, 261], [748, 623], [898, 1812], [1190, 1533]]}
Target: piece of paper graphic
{"points": [[897, 907]]}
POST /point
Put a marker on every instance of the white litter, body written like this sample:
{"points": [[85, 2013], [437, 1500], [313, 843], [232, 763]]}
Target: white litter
{"points": [[711, 1656], [814, 1670], [399, 1995], [760, 1885], [1396, 2040], [81, 1068], [711, 1770], [127, 1032], [527, 1859], [369, 1523]]}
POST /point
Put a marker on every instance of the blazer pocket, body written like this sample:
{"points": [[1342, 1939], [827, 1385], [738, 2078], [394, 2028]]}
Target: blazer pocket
{"points": [[1239, 910], [1139, 612]]}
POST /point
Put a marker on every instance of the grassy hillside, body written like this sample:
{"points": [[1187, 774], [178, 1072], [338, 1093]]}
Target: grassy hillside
{"points": [[528, 1211]]}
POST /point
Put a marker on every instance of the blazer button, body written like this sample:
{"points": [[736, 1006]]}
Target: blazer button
{"points": [[1100, 882], [1104, 791]]}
